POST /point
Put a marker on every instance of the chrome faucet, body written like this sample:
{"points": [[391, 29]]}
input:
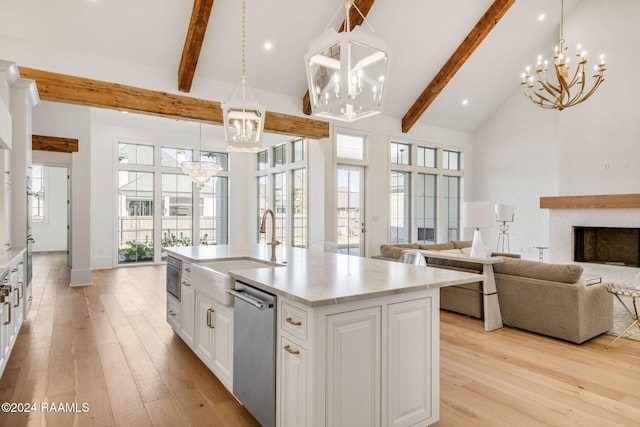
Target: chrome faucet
{"points": [[263, 229]]}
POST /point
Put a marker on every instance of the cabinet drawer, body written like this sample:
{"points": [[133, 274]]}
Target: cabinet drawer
{"points": [[294, 321], [174, 312], [186, 271]]}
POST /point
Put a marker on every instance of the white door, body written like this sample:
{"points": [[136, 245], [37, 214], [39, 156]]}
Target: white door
{"points": [[350, 210]]}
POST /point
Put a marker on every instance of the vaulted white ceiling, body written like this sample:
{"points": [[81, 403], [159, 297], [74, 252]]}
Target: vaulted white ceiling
{"points": [[421, 33]]}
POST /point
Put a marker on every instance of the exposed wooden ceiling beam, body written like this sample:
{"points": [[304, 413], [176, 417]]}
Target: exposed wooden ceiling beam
{"points": [[54, 143], [355, 19], [455, 62], [78, 90], [193, 43]]}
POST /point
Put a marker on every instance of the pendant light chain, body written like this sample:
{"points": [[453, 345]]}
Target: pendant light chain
{"points": [[244, 36]]}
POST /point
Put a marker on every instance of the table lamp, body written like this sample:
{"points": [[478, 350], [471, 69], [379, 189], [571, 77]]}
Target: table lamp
{"points": [[476, 215]]}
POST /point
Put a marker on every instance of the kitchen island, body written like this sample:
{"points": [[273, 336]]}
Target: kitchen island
{"points": [[357, 339]]}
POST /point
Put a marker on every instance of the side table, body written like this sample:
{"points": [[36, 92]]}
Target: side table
{"points": [[491, 306]]}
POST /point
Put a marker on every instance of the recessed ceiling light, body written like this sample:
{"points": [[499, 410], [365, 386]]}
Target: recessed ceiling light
{"points": [[465, 101], [542, 17], [268, 46]]}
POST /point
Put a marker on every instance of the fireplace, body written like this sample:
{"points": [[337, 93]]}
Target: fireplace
{"points": [[607, 245]]}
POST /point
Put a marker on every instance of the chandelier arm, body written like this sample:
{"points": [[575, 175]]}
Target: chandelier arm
{"points": [[582, 81], [543, 99], [593, 89], [549, 88]]}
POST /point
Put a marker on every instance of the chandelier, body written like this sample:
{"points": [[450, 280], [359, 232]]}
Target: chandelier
{"points": [[200, 171], [347, 71], [565, 91], [243, 116]]}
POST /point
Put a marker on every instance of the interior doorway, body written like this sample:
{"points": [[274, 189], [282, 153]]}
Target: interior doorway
{"points": [[49, 208]]}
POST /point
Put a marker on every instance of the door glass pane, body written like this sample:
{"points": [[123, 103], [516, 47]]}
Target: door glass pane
{"points": [[263, 200], [135, 217], [280, 205], [349, 221], [451, 190], [177, 199], [400, 208], [214, 212], [299, 209]]}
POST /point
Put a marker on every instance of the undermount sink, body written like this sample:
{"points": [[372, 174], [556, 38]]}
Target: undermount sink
{"points": [[213, 277]]}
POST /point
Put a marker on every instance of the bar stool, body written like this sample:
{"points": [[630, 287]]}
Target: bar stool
{"points": [[626, 290]]}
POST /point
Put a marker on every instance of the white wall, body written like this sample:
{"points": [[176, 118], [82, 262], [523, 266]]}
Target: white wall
{"points": [[51, 234]]}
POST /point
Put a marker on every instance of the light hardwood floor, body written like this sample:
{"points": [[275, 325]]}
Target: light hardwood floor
{"points": [[109, 346]]}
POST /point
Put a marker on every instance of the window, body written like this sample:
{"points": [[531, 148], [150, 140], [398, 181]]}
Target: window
{"points": [[136, 228], [451, 201], [350, 147], [400, 153], [150, 178], [37, 194], [299, 213], [284, 189], [400, 207], [426, 157], [279, 155], [263, 160], [135, 154], [450, 160], [426, 208], [424, 203], [298, 150], [214, 211]]}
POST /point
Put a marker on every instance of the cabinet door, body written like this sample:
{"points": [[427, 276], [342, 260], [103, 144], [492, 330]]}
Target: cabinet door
{"points": [[353, 368], [413, 348], [204, 328], [223, 345], [293, 384], [188, 312], [4, 334]]}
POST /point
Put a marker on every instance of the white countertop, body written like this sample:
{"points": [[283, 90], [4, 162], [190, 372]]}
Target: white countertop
{"points": [[319, 278], [7, 257]]}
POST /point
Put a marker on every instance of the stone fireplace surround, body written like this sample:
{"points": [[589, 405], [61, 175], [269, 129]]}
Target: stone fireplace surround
{"points": [[565, 213]]}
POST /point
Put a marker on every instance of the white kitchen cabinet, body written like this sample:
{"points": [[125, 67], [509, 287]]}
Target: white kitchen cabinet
{"points": [[12, 309], [213, 341], [364, 363], [411, 355], [293, 384], [353, 368]]}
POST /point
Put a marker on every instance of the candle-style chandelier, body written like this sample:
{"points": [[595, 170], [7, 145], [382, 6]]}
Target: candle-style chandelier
{"points": [[565, 91]]}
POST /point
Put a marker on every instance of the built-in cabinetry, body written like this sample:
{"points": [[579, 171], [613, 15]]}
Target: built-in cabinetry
{"points": [[367, 363], [12, 301], [205, 324]]}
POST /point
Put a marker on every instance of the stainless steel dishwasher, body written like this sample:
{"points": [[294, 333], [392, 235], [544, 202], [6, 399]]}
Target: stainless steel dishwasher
{"points": [[254, 351]]}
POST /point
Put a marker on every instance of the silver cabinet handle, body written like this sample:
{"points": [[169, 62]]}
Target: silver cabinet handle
{"points": [[209, 312], [172, 313], [186, 283], [8, 304], [246, 298]]}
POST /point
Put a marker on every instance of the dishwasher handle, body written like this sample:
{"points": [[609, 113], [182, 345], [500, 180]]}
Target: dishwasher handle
{"points": [[253, 301]]}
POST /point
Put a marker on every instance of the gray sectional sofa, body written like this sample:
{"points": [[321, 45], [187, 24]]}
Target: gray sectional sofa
{"points": [[545, 298]]}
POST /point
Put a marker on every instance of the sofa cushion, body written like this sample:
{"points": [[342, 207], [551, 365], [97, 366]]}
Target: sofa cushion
{"points": [[394, 251], [438, 246], [564, 273], [462, 244]]}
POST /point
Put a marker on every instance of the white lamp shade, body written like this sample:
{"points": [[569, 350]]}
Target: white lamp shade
{"points": [[504, 212], [477, 214]]}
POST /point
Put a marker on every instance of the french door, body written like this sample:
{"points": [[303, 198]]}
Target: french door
{"points": [[350, 210]]}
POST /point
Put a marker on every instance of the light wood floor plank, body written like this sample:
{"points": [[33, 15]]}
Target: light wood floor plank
{"points": [[109, 345]]}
